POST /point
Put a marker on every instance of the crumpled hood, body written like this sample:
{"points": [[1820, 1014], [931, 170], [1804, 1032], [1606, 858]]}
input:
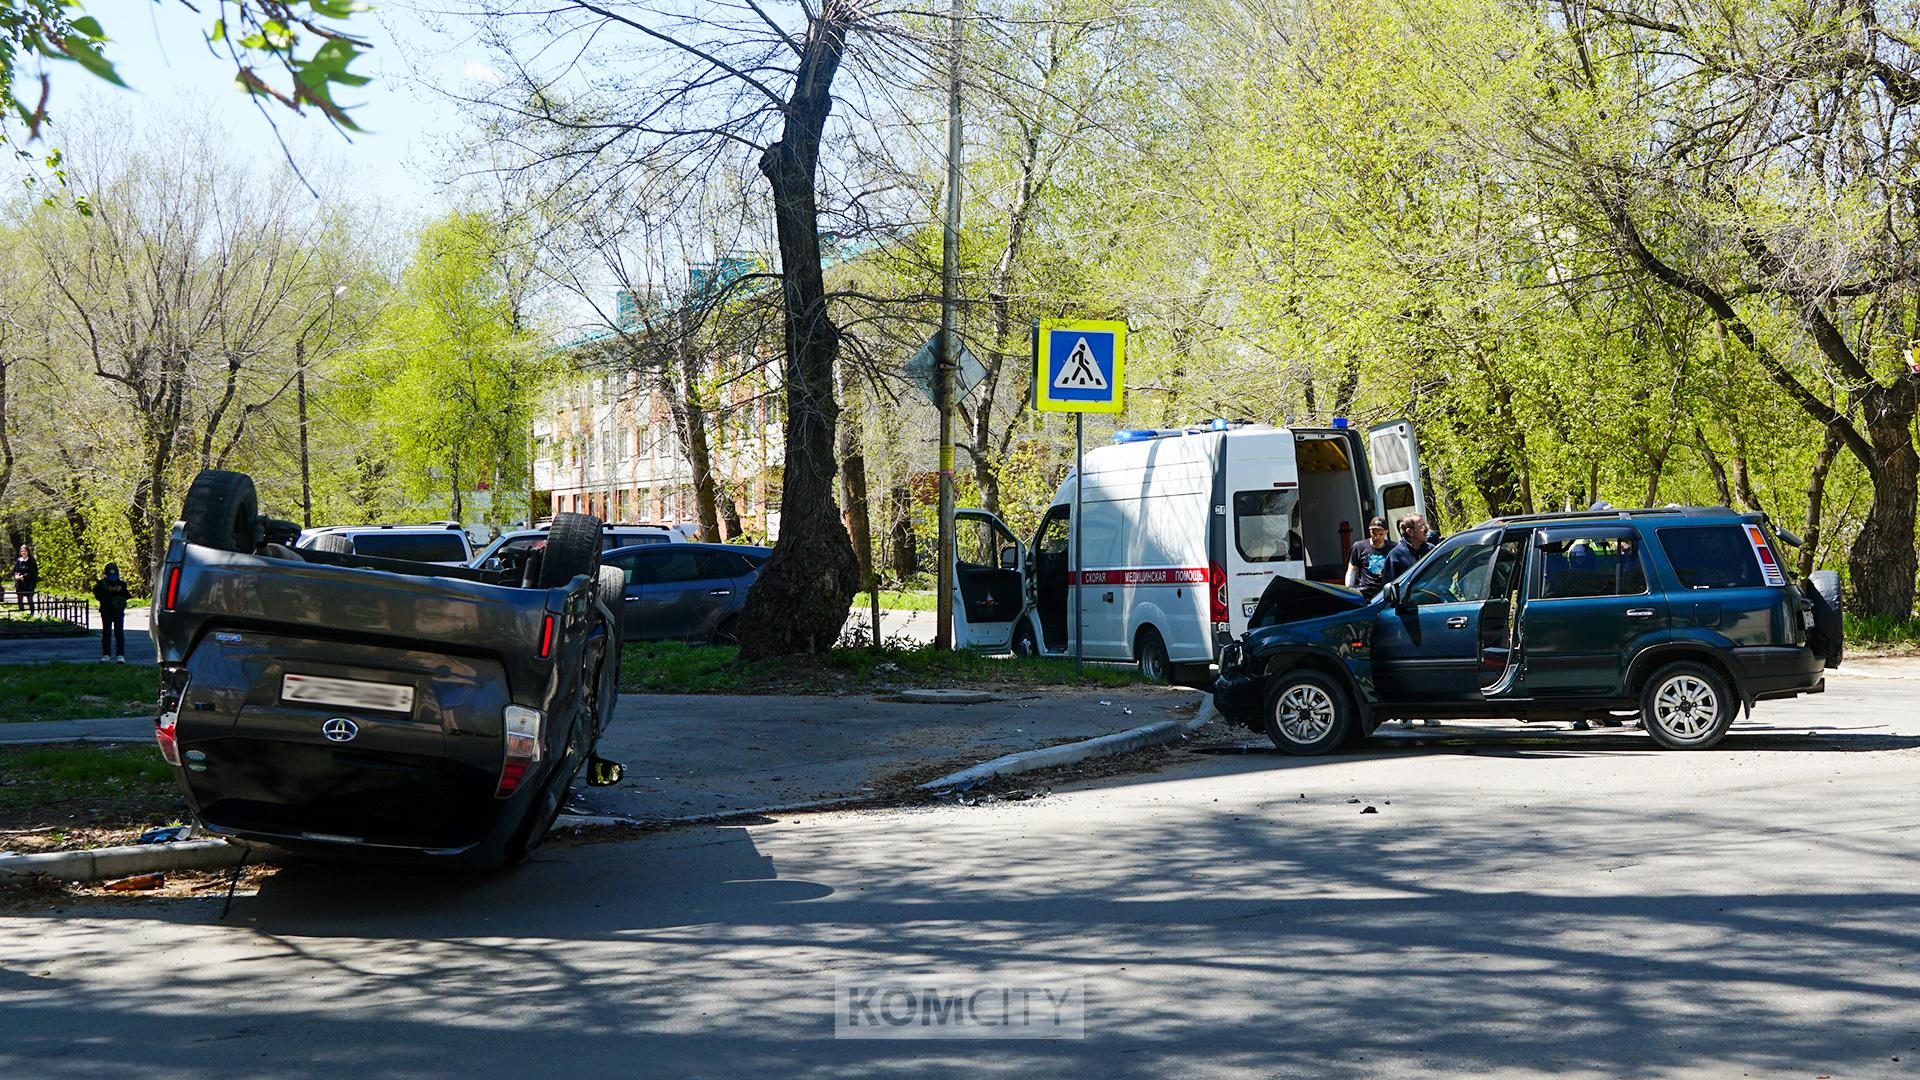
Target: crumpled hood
{"points": [[1292, 600]]}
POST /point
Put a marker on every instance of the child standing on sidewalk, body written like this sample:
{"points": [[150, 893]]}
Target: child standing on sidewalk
{"points": [[110, 592]]}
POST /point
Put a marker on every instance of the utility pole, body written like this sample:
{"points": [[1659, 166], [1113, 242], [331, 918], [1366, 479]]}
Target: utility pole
{"points": [[949, 364], [300, 393]]}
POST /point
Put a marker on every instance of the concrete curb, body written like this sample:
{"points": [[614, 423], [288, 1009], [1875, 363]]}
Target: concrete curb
{"points": [[591, 821], [1119, 742], [118, 862]]}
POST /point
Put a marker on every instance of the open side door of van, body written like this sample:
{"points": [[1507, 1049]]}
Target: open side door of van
{"points": [[989, 581], [1394, 459]]}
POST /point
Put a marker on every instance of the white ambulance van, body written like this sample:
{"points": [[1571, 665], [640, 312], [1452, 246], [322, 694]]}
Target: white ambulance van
{"points": [[1183, 530]]}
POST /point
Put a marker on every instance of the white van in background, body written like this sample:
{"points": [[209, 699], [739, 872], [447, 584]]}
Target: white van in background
{"points": [[1184, 528]]}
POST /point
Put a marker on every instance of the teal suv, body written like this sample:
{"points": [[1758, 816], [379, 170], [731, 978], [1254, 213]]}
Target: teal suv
{"points": [[1683, 615]]}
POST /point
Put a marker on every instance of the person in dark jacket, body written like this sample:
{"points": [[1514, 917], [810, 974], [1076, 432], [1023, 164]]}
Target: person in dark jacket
{"points": [[110, 592], [1415, 541], [26, 577]]}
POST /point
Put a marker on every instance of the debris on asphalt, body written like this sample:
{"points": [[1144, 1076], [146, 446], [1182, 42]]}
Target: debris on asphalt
{"points": [[137, 883], [1369, 810]]}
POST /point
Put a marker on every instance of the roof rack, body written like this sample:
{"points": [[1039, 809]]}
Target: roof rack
{"points": [[1611, 512]]}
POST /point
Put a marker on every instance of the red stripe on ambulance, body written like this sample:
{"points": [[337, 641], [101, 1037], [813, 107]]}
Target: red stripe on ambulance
{"points": [[1167, 575]]}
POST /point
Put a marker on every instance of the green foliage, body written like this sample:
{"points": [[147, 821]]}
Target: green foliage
{"points": [[66, 564], [293, 51], [1882, 633], [452, 371], [894, 600], [66, 691]]}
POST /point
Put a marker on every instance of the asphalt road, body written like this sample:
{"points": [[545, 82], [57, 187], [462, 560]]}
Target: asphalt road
{"points": [[87, 648], [1521, 902]]}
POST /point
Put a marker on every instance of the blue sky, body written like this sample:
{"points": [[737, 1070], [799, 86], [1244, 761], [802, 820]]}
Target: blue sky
{"points": [[160, 49]]}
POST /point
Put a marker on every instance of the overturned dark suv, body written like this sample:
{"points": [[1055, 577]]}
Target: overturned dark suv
{"points": [[1682, 615], [322, 699]]}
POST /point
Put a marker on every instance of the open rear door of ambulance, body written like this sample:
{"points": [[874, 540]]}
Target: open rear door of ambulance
{"points": [[1394, 460]]}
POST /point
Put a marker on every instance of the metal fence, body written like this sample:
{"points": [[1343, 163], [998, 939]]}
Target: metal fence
{"points": [[76, 610]]}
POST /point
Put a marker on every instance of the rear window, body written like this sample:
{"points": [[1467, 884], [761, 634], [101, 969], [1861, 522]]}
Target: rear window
{"points": [[1711, 557], [620, 540], [416, 547], [1263, 524]]}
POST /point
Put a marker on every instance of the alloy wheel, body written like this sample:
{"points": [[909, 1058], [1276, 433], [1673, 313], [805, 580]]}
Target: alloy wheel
{"points": [[1687, 707], [1305, 713]]}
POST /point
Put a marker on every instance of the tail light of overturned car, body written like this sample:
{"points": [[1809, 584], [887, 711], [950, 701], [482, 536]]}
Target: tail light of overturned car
{"points": [[524, 728], [173, 689], [164, 733]]}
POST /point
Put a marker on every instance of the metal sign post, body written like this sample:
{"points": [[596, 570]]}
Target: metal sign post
{"points": [[1079, 574], [1079, 367]]}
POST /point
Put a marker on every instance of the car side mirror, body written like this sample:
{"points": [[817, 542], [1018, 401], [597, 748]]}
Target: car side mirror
{"points": [[1009, 558], [1390, 592]]}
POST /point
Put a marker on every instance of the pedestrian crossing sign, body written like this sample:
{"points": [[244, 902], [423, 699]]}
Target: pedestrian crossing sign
{"points": [[1079, 365]]}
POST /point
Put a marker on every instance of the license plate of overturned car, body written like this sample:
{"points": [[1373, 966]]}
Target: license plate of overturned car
{"points": [[347, 693]]}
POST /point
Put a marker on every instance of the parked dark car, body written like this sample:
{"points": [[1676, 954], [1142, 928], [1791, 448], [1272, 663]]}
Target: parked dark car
{"points": [[332, 700], [686, 592], [1683, 615]]}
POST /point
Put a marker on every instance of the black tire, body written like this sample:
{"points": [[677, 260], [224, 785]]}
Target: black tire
{"points": [[1151, 654], [572, 549], [1828, 639], [1025, 645], [332, 542], [222, 511], [727, 633], [1308, 712], [612, 586], [1687, 705]]}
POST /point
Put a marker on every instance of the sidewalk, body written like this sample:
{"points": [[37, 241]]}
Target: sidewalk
{"points": [[122, 729], [689, 755]]}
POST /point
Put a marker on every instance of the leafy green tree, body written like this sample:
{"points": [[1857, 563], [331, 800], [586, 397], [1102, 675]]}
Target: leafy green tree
{"points": [[453, 366], [294, 52]]}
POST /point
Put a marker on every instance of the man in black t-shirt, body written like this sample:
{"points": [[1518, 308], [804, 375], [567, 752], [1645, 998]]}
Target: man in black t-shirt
{"points": [[1367, 560]]}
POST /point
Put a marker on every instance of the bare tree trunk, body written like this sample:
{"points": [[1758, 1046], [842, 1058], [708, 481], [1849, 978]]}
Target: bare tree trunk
{"points": [[1881, 566], [801, 598], [854, 510], [690, 424], [901, 542], [1742, 483], [729, 512], [1714, 466], [1816, 499]]}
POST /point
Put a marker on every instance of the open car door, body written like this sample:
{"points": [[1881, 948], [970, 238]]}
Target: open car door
{"points": [[1394, 459], [989, 581]]}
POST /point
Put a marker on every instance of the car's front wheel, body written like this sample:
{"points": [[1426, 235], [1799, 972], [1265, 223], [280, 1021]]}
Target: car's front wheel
{"points": [[1687, 706], [1307, 712]]}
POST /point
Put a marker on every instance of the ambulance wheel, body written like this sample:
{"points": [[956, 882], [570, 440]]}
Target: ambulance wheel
{"points": [[1308, 712], [1025, 645], [1151, 653]]}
